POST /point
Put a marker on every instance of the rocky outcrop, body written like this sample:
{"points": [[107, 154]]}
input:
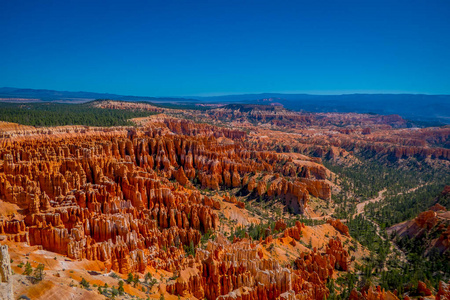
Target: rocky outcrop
{"points": [[6, 287], [422, 289], [336, 258], [383, 142], [294, 232], [444, 291], [427, 219], [438, 207], [237, 271], [127, 197], [102, 199], [337, 224], [373, 293], [280, 225]]}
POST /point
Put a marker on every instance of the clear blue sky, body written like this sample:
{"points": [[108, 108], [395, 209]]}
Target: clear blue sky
{"points": [[174, 48]]}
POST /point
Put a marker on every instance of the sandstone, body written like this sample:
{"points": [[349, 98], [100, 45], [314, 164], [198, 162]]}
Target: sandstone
{"points": [[128, 197], [427, 219], [6, 285], [339, 226], [444, 291], [422, 289]]}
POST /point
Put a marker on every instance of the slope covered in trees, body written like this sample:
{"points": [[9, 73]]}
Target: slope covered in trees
{"points": [[57, 114]]}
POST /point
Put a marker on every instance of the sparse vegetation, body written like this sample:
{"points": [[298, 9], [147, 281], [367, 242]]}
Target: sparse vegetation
{"points": [[190, 250], [84, 283], [38, 274], [28, 269]]}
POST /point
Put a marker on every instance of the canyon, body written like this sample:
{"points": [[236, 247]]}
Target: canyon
{"points": [[169, 195]]}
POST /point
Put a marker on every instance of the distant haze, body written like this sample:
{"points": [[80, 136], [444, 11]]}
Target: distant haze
{"points": [[434, 109]]}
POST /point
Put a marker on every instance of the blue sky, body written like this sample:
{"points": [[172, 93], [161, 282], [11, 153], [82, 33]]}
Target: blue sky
{"points": [[176, 48]]}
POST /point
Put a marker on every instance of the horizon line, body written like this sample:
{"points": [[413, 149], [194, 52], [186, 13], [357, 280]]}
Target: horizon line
{"points": [[205, 95]]}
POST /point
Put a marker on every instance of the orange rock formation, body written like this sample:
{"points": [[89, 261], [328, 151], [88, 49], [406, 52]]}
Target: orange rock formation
{"points": [[128, 198]]}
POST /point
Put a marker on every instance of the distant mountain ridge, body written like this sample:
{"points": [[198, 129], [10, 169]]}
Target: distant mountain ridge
{"points": [[434, 109], [66, 96]]}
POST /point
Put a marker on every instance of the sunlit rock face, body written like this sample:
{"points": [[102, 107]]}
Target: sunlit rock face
{"points": [[241, 270], [119, 196], [134, 199]]}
